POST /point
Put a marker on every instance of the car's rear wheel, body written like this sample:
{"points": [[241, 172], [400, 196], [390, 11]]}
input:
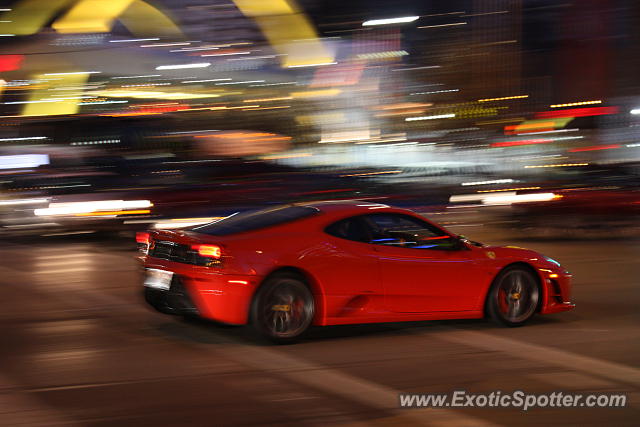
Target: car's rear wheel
{"points": [[283, 308], [514, 296]]}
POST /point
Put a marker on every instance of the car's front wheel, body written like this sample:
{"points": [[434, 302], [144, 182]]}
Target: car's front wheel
{"points": [[283, 308], [514, 296]]}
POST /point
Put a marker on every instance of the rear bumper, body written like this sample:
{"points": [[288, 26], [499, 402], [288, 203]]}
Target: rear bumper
{"points": [[203, 292], [176, 300]]}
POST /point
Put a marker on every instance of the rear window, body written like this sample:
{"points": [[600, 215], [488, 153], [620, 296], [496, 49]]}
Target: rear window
{"points": [[255, 220]]}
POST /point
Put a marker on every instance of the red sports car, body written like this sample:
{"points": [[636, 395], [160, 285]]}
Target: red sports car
{"points": [[286, 268]]}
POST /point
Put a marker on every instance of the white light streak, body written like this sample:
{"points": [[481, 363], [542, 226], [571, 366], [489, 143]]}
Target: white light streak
{"points": [[276, 84], [72, 208], [181, 223], [205, 81], [133, 40], [436, 91], [74, 73], [564, 138], [183, 66], [239, 83], [22, 202], [437, 116], [23, 161], [165, 44], [388, 21], [418, 68], [26, 138], [191, 49], [319, 64], [137, 77], [454, 24], [509, 198], [226, 54], [31, 102], [493, 181], [102, 102]]}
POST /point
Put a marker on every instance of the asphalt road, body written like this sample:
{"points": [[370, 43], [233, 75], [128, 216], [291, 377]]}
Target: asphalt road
{"points": [[79, 347]]}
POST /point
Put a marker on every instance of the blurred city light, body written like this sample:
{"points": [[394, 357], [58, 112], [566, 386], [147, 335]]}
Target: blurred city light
{"points": [[183, 66], [388, 21], [206, 108], [73, 208], [437, 116]]}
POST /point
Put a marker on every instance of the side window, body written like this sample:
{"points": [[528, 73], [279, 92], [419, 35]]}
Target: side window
{"points": [[353, 228], [408, 232]]}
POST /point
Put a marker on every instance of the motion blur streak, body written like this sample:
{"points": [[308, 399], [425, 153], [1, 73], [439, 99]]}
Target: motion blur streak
{"points": [[40, 104], [98, 16], [504, 98], [288, 31], [508, 199], [111, 213], [29, 16], [578, 112], [91, 207], [91, 16], [388, 21]]}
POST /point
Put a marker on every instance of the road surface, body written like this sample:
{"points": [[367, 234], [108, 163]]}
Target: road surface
{"points": [[79, 347]]}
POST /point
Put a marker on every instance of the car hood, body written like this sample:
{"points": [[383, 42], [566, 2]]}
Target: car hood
{"points": [[508, 254]]}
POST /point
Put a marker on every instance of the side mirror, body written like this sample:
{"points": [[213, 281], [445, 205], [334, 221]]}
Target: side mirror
{"points": [[460, 243], [466, 241]]}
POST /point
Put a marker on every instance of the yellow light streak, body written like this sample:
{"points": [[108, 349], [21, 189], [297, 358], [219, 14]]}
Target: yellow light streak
{"points": [[91, 16], [574, 104], [504, 98], [29, 16], [288, 30], [39, 105], [282, 98], [316, 93]]}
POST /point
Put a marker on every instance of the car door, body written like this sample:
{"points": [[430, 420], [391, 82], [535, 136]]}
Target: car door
{"points": [[351, 271], [424, 269]]}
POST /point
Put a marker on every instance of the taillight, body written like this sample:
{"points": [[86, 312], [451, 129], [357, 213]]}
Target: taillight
{"points": [[142, 239], [208, 251]]}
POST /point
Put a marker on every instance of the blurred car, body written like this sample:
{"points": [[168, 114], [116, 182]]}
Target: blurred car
{"points": [[580, 213], [593, 201], [60, 202], [286, 268]]}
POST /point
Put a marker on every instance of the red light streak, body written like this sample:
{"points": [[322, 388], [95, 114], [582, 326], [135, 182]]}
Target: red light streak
{"points": [[577, 112], [10, 62], [522, 142], [595, 148]]}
